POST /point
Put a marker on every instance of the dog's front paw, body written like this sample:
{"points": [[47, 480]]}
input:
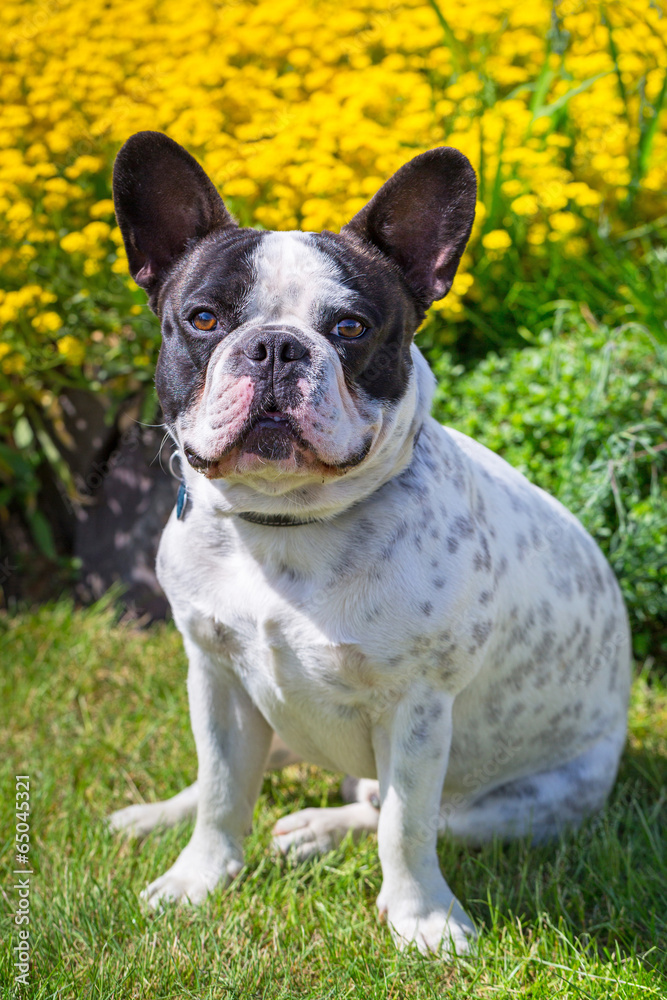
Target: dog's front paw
{"points": [[193, 876], [430, 927]]}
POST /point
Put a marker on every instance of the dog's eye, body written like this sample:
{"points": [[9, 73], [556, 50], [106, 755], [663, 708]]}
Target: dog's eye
{"points": [[204, 321], [349, 328]]}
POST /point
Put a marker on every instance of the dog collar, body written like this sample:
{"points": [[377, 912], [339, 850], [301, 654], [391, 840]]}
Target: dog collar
{"points": [[275, 520], [269, 520]]}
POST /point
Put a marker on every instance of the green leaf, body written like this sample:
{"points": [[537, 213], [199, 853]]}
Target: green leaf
{"points": [[457, 50], [550, 109], [42, 534]]}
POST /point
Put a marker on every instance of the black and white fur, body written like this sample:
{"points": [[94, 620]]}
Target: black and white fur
{"points": [[356, 585]]}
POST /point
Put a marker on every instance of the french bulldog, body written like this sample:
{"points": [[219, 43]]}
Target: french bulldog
{"points": [[356, 585]]}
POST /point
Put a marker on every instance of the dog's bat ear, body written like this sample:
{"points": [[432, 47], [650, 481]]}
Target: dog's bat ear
{"points": [[422, 218], [163, 201]]}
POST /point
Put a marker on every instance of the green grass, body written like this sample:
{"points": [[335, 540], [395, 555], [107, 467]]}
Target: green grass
{"points": [[96, 713]]}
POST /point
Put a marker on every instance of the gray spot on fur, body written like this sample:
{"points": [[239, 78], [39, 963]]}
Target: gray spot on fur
{"points": [[546, 612], [481, 631], [501, 569], [223, 634], [398, 535], [482, 559], [464, 526], [543, 648]]}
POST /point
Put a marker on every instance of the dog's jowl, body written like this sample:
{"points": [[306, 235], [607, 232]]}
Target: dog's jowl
{"points": [[356, 585]]}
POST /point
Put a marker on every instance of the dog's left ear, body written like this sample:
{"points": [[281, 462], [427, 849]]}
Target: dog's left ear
{"points": [[164, 202], [422, 218]]}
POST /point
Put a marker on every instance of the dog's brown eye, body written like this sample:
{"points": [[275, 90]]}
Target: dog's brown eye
{"points": [[204, 321], [349, 328]]}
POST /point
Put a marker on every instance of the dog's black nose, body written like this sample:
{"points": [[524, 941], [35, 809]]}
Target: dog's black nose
{"points": [[274, 349]]}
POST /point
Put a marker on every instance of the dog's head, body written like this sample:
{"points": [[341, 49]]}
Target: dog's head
{"points": [[286, 358]]}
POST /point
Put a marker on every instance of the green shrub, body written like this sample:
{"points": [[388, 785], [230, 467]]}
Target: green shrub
{"points": [[584, 415]]}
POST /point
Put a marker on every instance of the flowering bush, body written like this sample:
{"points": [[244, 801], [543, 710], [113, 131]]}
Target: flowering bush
{"points": [[299, 112], [583, 415]]}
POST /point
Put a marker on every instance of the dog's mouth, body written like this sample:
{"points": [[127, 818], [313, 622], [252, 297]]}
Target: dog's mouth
{"points": [[270, 434], [272, 420], [272, 439]]}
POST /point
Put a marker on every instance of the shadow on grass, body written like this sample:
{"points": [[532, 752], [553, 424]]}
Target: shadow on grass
{"points": [[604, 884]]}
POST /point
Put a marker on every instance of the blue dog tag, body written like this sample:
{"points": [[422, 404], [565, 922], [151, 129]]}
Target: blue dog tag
{"points": [[181, 499]]}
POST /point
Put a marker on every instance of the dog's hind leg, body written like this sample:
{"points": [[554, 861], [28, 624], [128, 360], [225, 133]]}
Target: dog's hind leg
{"points": [[315, 831], [139, 820], [540, 806]]}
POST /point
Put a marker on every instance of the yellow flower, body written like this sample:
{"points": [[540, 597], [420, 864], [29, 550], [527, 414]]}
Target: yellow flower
{"points": [[537, 234], [74, 243], [575, 247], [242, 187], [462, 283], [552, 195], [96, 232], [19, 212], [54, 202], [47, 322], [57, 184], [306, 110], [582, 194], [555, 139], [564, 222], [497, 239], [104, 207], [14, 365], [84, 165], [72, 350], [512, 188], [526, 204], [445, 107]]}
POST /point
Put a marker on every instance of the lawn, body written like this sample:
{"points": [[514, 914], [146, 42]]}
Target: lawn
{"points": [[95, 712], [550, 349]]}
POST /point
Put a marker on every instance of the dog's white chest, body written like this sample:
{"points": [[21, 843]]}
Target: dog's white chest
{"points": [[317, 687]]}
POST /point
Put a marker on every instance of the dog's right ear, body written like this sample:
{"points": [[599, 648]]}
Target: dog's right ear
{"points": [[163, 201], [421, 218]]}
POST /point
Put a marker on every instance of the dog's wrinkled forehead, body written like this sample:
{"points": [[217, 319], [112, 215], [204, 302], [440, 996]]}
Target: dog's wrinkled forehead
{"points": [[293, 280]]}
